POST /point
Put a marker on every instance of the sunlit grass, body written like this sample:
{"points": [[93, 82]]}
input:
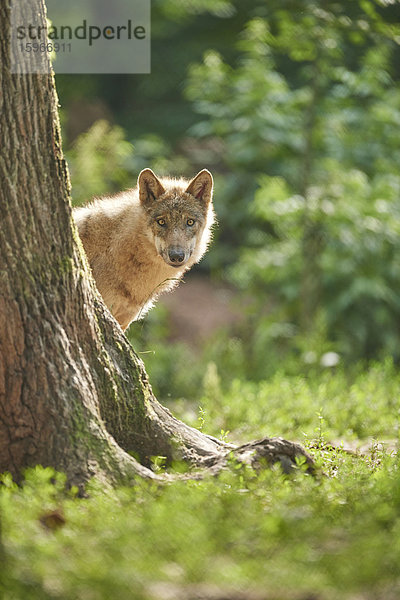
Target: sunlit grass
{"points": [[336, 535]]}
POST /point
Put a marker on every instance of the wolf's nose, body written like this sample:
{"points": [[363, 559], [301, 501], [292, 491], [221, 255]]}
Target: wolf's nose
{"points": [[176, 255]]}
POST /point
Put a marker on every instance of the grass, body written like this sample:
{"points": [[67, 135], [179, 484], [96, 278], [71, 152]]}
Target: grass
{"points": [[332, 404], [336, 536]]}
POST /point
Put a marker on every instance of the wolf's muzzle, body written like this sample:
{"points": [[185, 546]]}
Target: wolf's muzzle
{"points": [[176, 256]]}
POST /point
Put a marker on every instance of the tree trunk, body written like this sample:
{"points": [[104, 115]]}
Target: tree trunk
{"points": [[73, 394]]}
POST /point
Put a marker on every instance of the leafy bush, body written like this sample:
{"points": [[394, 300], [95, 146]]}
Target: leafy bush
{"points": [[308, 113], [97, 162], [357, 223], [103, 162]]}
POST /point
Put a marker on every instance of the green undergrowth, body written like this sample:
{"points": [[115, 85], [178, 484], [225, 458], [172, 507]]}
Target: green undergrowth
{"points": [[335, 536], [333, 405]]}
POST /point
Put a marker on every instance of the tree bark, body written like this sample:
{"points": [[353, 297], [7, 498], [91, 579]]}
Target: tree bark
{"points": [[73, 393]]}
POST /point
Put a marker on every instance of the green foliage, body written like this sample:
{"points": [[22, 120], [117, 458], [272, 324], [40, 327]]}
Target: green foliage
{"points": [[103, 162], [309, 114], [357, 221], [335, 536], [174, 369], [183, 10], [291, 406], [96, 162]]}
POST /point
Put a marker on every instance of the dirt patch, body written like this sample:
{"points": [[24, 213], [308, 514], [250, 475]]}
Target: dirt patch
{"points": [[199, 307]]}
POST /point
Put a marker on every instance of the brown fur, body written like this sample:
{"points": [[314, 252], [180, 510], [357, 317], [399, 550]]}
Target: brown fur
{"points": [[140, 243]]}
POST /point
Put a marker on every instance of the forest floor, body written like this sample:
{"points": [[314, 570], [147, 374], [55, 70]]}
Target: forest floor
{"points": [[198, 307], [244, 535]]}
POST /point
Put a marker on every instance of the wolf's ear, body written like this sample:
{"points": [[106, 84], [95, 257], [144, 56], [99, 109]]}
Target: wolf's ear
{"points": [[201, 186], [150, 187]]}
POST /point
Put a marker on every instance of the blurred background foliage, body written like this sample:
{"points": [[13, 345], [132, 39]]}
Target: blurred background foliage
{"points": [[295, 108]]}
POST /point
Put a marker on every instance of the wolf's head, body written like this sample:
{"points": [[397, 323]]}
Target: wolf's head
{"points": [[179, 215]]}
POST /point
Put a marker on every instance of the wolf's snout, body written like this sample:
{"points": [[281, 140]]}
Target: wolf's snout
{"points": [[176, 256]]}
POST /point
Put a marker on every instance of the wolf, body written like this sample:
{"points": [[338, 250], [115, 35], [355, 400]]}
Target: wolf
{"points": [[139, 243]]}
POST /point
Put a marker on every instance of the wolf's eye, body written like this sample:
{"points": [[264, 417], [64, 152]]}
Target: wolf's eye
{"points": [[190, 222], [161, 222]]}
